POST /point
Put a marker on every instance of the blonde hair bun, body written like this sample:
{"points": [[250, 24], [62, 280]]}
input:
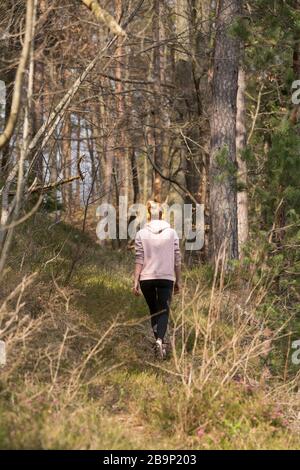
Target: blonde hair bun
{"points": [[154, 210]]}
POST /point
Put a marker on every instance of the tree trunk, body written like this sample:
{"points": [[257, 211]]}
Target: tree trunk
{"points": [[135, 177], [9, 88], [242, 195], [77, 202], [158, 154], [193, 99], [223, 167], [66, 159]]}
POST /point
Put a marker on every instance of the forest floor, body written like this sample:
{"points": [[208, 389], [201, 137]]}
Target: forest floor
{"points": [[85, 377]]}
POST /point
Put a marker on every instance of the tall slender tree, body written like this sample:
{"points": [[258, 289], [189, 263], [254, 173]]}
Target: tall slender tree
{"points": [[242, 195], [223, 188]]}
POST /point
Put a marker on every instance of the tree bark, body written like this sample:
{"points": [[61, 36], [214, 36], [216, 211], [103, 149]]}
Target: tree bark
{"points": [[158, 154], [9, 87], [66, 159], [223, 167], [193, 98], [242, 195]]}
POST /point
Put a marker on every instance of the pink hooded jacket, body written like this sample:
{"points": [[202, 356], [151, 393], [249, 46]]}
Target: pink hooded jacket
{"points": [[157, 249]]}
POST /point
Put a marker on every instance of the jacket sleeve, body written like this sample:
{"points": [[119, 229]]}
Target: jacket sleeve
{"points": [[139, 249], [177, 250]]}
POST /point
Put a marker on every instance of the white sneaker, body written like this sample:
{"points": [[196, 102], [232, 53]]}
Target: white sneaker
{"points": [[164, 346], [159, 349]]}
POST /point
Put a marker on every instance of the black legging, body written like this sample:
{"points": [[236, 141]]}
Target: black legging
{"points": [[158, 293]]}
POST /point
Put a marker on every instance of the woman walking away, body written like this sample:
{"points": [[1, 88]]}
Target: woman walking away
{"points": [[157, 270]]}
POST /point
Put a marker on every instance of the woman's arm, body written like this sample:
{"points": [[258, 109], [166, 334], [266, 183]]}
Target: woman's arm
{"points": [[177, 256], [139, 261], [137, 273], [177, 286]]}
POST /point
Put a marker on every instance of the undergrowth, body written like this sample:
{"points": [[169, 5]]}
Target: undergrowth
{"points": [[81, 374]]}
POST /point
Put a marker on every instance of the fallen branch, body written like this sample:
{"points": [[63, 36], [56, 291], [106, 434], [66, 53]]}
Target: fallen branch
{"points": [[55, 184]]}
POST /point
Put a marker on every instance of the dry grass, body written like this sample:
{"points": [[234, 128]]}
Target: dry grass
{"points": [[80, 371]]}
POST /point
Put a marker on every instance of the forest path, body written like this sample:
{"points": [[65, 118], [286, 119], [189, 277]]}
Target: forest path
{"points": [[125, 399], [135, 391]]}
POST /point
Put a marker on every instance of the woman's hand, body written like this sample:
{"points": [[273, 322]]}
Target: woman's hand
{"points": [[136, 288], [177, 287], [136, 279]]}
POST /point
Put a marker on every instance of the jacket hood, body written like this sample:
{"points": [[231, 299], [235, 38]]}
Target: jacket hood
{"points": [[157, 226]]}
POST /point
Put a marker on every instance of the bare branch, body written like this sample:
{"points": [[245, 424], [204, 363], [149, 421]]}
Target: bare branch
{"points": [[103, 16], [16, 100]]}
